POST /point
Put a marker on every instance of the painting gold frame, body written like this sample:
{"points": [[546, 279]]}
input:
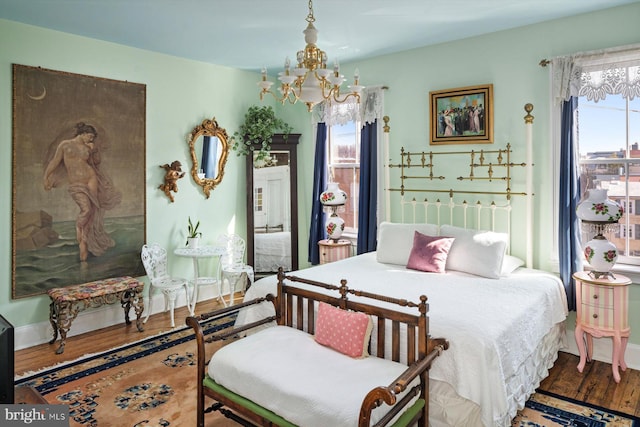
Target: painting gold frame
{"points": [[461, 116], [79, 179]]}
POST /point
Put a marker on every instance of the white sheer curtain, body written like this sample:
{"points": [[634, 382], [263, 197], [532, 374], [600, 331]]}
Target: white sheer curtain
{"points": [[370, 108], [597, 74]]}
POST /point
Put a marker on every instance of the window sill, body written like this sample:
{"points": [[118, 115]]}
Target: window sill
{"points": [[629, 270]]}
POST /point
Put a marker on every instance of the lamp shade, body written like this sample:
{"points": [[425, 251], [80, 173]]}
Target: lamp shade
{"points": [[333, 195], [597, 207]]}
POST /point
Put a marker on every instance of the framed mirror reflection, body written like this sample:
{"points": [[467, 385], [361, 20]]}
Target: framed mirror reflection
{"points": [[272, 220], [209, 149]]}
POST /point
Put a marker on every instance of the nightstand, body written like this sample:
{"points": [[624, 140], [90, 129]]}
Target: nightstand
{"points": [[331, 250], [602, 307]]}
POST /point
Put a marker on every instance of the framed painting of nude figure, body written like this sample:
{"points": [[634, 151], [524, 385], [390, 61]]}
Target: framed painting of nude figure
{"points": [[78, 202]]}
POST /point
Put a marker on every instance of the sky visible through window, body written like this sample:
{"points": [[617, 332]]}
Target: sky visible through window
{"points": [[603, 124]]}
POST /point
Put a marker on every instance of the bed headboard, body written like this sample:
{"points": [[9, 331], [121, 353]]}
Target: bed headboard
{"points": [[469, 188]]}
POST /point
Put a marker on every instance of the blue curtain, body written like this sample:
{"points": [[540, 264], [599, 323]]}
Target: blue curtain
{"points": [[568, 225], [316, 230], [368, 196], [209, 156]]}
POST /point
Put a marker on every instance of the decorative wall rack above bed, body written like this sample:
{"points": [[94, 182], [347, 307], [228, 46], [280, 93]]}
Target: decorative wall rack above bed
{"points": [[428, 174], [484, 165]]}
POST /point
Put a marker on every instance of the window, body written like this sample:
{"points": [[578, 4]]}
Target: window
{"points": [[609, 149], [343, 146]]}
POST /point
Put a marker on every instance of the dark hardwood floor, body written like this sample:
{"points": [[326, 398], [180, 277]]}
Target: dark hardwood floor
{"points": [[595, 385], [43, 355]]}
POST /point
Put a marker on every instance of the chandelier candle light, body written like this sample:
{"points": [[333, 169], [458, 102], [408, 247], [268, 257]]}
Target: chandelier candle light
{"points": [[333, 199], [310, 81], [600, 215]]}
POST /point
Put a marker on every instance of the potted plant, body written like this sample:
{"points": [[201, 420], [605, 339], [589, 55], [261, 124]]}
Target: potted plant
{"points": [[193, 235], [256, 133]]}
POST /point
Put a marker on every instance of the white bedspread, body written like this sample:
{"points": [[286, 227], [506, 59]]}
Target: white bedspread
{"points": [[272, 250], [281, 381], [494, 326]]}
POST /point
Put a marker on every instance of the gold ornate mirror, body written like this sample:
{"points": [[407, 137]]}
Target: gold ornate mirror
{"points": [[209, 147]]}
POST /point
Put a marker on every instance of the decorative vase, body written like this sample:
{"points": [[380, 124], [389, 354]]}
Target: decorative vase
{"points": [[601, 254], [334, 227], [333, 195], [193, 242], [597, 207]]}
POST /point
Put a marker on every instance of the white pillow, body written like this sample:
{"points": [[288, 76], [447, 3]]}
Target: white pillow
{"points": [[509, 264], [396, 240], [476, 252]]}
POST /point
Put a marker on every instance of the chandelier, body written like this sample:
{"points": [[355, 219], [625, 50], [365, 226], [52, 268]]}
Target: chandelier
{"points": [[310, 81]]}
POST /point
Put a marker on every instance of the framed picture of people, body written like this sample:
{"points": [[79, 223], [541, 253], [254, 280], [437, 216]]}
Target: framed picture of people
{"points": [[461, 116], [78, 202]]}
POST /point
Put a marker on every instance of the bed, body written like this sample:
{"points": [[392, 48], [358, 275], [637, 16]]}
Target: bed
{"points": [[272, 250], [497, 355], [504, 320]]}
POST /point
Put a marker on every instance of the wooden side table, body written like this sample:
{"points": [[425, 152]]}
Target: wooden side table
{"points": [[331, 250], [602, 307]]}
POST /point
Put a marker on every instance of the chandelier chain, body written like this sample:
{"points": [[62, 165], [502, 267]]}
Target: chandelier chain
{"points": [[310, 17]]}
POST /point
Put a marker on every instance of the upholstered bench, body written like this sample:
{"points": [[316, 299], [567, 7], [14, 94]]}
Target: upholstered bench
{"points": [[67, 302]]}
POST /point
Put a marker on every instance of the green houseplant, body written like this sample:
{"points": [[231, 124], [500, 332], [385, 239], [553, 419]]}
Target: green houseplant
{"points": [[257, 130], [193, 235]]}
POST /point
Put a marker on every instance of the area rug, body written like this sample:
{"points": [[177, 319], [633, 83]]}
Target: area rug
{"points": [[145, 384], [152, 383], [544, 409]]}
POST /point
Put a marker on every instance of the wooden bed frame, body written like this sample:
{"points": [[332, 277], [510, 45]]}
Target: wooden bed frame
{"points": [[295, 308]]}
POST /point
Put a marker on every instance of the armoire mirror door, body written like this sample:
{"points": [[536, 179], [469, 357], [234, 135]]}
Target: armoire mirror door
{"points": [[272, 208]]}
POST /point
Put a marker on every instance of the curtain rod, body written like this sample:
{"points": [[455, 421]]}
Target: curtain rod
{"points": [[616, 49]]}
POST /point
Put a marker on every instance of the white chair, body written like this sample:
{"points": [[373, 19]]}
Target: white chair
{"points": [[232, 265], [154, 259]]}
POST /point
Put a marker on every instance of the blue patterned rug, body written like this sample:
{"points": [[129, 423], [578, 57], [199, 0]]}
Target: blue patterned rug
{"points": [[545, 409], [147, 383]]}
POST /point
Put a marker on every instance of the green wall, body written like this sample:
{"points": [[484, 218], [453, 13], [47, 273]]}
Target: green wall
{"points": [[508, 59], [181, 93]]}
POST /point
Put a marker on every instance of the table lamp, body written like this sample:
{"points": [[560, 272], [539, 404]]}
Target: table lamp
{"points": [[599, 215], [333, 199]]}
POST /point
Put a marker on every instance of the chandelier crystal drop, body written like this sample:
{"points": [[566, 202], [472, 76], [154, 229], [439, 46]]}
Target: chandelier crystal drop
{"points": [[310, 81]]}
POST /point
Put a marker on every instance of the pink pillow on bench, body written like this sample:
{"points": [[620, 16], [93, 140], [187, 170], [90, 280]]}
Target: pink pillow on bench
{"points": [[345, 331]]}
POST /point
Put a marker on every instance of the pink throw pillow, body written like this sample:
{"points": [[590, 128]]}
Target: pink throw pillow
{"points": [[429, 253], [345, 331]]}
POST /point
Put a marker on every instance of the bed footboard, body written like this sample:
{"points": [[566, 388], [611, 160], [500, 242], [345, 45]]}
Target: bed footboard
{"points": [[398, 336]]}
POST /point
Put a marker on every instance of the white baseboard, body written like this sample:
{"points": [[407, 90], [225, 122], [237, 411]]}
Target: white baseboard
{"points": [[101, 317], [602, 350]]}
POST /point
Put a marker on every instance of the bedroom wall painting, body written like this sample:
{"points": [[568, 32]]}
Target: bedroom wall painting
{"points": [[78, 191], [461, 116]]}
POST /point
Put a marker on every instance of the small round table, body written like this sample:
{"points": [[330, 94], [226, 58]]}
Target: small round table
{"points": [[195, 254]]}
